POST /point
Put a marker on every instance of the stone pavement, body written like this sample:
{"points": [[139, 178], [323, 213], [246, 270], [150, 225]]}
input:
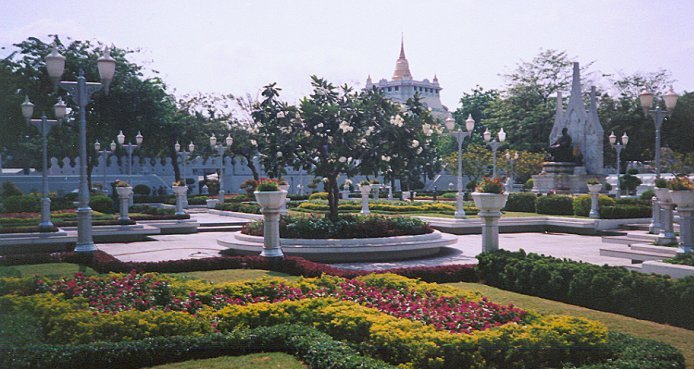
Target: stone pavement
{"points": [[201, 245]]}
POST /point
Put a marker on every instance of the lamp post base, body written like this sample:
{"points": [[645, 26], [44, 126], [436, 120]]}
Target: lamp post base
{"points": [[85, 243], [459, 205]]}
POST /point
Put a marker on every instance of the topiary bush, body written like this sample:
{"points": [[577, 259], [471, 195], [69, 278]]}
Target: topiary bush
{"points": [[10, 189], [581, 204], [554, 205], [529, 184], [142, 190], [625, 212], [521, 201], [102, 204], [30, 203], [647, 195]]}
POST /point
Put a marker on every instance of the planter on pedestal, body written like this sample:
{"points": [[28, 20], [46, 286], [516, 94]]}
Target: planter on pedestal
{"points": [[124, 194], [594, 190], [283, 209], [685, 209], [365, 189], [390, 193], [345, 193], [180, 192], [666, 235], [490, 205], [271, 203], [376, 193]]}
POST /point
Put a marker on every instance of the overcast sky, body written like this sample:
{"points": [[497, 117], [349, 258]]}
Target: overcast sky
{"points": [[239, 46]]}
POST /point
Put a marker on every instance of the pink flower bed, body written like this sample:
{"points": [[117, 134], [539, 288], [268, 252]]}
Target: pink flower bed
{"points": [[143, 292]]}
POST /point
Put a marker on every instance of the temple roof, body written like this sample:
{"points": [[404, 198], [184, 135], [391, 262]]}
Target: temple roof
{"points": [[402, 67]]}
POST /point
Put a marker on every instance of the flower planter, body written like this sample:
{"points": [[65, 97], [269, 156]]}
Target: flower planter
{"points": [[663, 195], [365, 190], [124, 200], [683, 199], [489, 202], [595, 188], [180, 192], [270, 199], [271, 202]]}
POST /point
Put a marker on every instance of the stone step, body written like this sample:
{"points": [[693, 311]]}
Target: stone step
{"points": [[672, 251], [220, 228], [626, 252], [635, 227]]}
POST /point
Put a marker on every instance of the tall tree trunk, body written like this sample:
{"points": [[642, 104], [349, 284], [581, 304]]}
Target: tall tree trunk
{"points": [[333, 196], [251, 165]]}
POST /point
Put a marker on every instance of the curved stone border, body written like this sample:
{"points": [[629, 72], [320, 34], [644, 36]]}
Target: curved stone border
{"points": [[346, 250]]}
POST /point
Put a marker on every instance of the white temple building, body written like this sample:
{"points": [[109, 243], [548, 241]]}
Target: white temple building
{"points": [[402, 87]]}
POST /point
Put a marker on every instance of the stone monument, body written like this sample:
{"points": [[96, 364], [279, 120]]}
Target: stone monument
{"points": [[576, 144]]}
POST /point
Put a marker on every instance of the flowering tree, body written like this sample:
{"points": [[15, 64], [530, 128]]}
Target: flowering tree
{"points": [[276, 131]]}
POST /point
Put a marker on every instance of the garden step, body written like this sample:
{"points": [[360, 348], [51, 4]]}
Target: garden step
{"points": [[221, 228], [626, 252], [672, 251], [635, 227], [630, 239]]}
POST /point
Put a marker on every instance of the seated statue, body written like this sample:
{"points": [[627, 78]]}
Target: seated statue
{"points": [[562, 149]]}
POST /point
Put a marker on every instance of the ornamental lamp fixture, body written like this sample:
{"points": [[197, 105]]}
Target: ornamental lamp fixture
{"points": [[670, 98], [613, 138], [487, 135], [502, 135], [469, 123], [177, 146], [107, 68], [450, 123], [646, 99], [97, 146], [229, 140], [191, 147], [625, 139], [138, 138], [121, 138], [213, 141], [55, 64], [27, 109], [60, 109], [113, 146]]}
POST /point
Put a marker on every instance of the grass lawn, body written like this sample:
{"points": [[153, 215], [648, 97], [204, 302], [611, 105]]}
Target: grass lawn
{"points": [[51, 270], [506, 214], [678, 337], [233, 275], [255, 361]]}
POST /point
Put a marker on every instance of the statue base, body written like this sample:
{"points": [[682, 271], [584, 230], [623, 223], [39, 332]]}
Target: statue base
{"points": [[562, 178]]}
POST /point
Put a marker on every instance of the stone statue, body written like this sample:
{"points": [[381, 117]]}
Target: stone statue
{"points": [[562, 149]]}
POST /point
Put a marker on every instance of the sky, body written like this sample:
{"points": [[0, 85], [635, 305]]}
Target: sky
{"points": [[239, 46]]}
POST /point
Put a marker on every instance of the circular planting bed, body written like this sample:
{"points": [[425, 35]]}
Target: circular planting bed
{"points": [[351, 238]]}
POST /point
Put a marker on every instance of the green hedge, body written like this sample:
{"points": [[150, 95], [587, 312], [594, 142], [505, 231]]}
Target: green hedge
{"points": [[625, 212], [241, 207], [318, 196], [316, 349], [581, 204], [102, 204], [30, 203], [614, 289], [521, 201], [555, 205]]}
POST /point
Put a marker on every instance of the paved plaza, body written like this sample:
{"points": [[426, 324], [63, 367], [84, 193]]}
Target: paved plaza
{"points": [[204, 244]]}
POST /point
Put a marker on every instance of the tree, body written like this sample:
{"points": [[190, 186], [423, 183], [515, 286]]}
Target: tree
{"points": [[476, 160]]}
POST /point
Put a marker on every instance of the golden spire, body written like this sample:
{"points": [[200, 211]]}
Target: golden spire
{"points": [[402, 67]]}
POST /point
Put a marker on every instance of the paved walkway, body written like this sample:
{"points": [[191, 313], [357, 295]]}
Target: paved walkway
{"points": [[202, 245]]}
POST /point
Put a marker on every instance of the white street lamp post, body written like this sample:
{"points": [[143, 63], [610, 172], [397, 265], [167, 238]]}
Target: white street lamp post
{"points": [[618, 147], [104, 154], [184, 154], [658, 115], [130, 147], [220, 150], [460, 137], [494, 145], [44, 126], [80, 92]]}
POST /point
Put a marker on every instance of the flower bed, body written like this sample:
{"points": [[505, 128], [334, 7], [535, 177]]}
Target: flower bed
{"points": [[345, 227], [401, 321], [389, 207]]}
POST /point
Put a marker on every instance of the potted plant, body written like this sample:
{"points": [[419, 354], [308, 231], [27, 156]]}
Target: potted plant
{"points": [[365, 186], [268, 193], [489, 194], [682, 191], [661, 190], [594, 185], [123, 188]]}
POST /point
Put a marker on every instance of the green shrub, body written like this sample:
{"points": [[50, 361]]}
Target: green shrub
{"points": [[614, 289], [529, 184], [682, 259], [318, 196], [625, 212], [554, 205], [102, 204], [10, 189], [631, 201], [647, 195], [629, 183], [316, 349], [521, 201], [142, 190], [30, 203], [346, 226], [449, 195], [197, 200], [241, 207], [581, 204]]}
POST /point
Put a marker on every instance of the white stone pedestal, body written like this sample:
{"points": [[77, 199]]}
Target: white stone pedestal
{"points": [[686, 229], [594, 190], [654, 227], [271, 202], [283, 209], [365, 189], [124, 194], [490, 205], [666, 234], [180, 192]]}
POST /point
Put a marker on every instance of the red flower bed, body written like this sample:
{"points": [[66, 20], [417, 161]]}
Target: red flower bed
{"points": [[136, 291]]}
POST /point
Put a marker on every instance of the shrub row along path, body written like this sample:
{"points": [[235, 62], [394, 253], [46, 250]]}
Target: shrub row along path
{"points": [[202, 245]]}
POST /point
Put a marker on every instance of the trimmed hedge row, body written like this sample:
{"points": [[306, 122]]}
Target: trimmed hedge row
{"points": [[314, 348], [614, 289], [521, 201], [555, 205]]}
